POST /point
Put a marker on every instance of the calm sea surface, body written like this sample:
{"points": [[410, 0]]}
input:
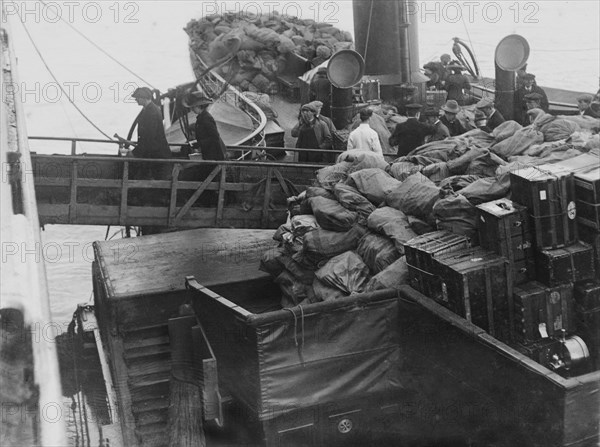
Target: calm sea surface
{"points": [[147, 37]]}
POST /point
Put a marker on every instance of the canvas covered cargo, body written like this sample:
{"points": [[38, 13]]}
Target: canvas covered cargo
{"points": [[337, 355]]}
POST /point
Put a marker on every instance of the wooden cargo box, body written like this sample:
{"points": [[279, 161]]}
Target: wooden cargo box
{"points": [[567, 264], [420, 257], [536, 304], [504, 229], [476, 284], [587, 299], [591, 236], [548, 192]]}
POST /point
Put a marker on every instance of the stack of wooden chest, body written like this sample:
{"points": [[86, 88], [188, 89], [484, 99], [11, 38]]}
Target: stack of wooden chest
{"points": [[534, 280]]}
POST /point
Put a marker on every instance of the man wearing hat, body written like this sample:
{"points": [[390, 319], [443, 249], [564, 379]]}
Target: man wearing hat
{"points": [[432, 117], [456, 83], [451, 109], [325, 119], [493, 117], [320, 90], [411, 133], [584, 102], [152, 142], [363, 137], [312, 133], [208, 139], [529, 87]]}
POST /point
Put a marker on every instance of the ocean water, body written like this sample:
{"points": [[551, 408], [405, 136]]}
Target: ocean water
{"points": [[148, 38]]}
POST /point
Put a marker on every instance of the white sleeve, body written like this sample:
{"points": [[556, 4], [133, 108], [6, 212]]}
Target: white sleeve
{"points": [[350, 142], [376, 145]]}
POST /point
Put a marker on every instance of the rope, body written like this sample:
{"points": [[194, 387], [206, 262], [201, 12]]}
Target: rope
{"points": [[59, 84], [102, 50], [368, 31]]}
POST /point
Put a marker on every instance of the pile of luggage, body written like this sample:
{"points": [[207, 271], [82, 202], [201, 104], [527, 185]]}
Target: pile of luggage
{"points": [[259, 45], [524, 269]]}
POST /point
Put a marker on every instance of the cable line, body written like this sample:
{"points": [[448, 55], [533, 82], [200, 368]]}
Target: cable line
{"points": [[103, 51], [59, 84]]}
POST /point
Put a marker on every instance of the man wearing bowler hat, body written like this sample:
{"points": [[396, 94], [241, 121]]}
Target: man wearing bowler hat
{"points": [[493, 117], [451, 109], [529, 87], [208, 140], [411, 133], [432, 117]]}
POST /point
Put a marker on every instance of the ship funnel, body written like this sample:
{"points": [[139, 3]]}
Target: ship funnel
{"points": [[345, 69], [511, 54]]}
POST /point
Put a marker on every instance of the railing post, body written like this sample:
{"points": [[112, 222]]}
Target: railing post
{"points": [[173, 199], [124, 189], [73, 198], [267, 198], [221, 199], [73, 147]]}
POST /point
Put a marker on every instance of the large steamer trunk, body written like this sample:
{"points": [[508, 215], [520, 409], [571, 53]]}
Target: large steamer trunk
{"points": [[139, 283], [319, 373]]}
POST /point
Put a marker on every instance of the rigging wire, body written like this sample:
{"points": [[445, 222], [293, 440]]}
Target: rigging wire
{"points": [[60, 85], [102, 50], [470, 44]]}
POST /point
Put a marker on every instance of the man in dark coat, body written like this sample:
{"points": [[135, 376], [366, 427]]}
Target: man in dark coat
{"points": [[584, 102], [312, 133], [208, 139], [320, 90], [451, 108], [411, 133], [152, 142], [529, 87], [493, 117], [456, 84]]}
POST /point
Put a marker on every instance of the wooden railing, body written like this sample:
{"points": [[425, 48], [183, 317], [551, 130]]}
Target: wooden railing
{"points": [[108, 190]]}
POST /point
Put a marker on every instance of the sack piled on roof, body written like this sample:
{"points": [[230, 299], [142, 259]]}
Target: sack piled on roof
{"points": [[395, 275], [258, 45], [323, 244], [358, 160], [392, 223], [518, 143], [377, 251], [331, 215], [416, 196], [456, 214], [351, 199], [375, 184], [329, 176], [346, 272]]}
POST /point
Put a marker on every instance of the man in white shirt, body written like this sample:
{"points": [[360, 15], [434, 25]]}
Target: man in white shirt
{"points": [[363, 137]]}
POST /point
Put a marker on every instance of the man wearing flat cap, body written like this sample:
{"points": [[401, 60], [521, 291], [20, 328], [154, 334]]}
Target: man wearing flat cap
{"points": [[529, 87], [493, 117], [584, 102], [312, 133], [152, 142], [208, 140], [411, 133], [451, 109], [364, 138]]}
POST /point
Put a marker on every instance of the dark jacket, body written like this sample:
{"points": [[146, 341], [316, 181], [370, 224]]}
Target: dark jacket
{"points": [[320, 90], [410, 135], [455, 84], [152, 142], [495, 120], [313, 136], [455, 128], [208, 139], [521, 104]]}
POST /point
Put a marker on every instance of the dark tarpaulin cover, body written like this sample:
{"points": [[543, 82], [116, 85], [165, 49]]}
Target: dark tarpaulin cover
{"points": [[341, 354]]}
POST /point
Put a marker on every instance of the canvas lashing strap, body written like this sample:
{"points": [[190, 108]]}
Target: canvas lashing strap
{"points": [[300, 347]]}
